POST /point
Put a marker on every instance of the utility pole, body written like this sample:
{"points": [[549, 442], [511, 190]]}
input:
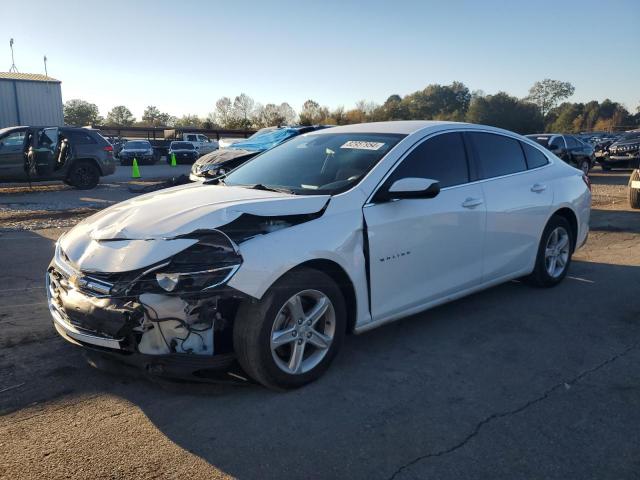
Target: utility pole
{"points": [[45, 66], [13, 63]]}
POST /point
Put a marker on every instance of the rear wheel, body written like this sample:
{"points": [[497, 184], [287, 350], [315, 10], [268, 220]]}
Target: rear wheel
{"points": [[634, 193], [554, 253], [84, 175], [290, 336]]}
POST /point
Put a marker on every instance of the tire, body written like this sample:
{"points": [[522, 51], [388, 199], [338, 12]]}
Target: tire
{"points": [[257, 324], [84, 175], [541, 276], [634, 193]]}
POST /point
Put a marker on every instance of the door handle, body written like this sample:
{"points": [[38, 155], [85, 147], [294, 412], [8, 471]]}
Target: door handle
{"points": [[472, 202], [538, 188]]}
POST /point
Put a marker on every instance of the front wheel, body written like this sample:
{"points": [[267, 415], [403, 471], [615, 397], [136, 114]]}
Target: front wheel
{"points": [[554, 253], [289, 337]]}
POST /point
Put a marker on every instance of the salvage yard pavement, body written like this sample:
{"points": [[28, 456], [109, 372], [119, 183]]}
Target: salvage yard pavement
{"points": [[509, 383]]}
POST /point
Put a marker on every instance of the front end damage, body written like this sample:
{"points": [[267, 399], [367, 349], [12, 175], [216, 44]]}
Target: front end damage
{"points": [[147, 280], [173, 317]]}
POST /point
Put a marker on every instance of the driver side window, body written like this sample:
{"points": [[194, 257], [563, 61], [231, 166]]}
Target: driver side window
{"points": [[442, 158]]}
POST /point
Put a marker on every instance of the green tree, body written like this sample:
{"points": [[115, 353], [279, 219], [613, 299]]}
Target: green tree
{"points": [[81, 113], [504, 111], [440, 102], [189, 121], [153, 117], [121, 116], [548, 93]]}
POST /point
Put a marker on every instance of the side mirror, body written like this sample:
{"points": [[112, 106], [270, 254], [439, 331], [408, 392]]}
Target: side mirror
{"points": [[411, 187]]}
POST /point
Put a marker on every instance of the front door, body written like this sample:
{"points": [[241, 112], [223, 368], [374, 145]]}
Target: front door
{"points": [[422, 250], [12, 156]]}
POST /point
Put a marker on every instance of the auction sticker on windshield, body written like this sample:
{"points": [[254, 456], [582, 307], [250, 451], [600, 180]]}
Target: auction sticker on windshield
{"points": [[360, 145]]}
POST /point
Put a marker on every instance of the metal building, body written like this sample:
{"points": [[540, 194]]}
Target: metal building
{"points": [[30, 99]]}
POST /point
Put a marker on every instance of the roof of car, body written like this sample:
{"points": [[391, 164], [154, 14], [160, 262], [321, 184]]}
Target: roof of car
{"points": [[405, 127]]}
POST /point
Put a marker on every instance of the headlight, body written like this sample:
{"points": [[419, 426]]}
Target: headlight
{"points": [[207, 264], [195, 281]]}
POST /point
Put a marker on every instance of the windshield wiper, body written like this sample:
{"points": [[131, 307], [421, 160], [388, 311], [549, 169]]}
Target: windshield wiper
{"points": [[270, 188]]}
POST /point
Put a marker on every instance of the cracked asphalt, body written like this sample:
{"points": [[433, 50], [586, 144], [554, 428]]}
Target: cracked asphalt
{"points": [[513, 382]]}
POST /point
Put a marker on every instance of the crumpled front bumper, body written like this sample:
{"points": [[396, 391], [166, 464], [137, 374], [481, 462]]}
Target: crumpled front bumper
{"points": [[117, 347]]}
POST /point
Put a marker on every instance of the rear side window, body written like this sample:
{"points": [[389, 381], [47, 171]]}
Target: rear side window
{"points": [[572, 142], [441, 158], [80, 138], [535, 158], [497, 155]]}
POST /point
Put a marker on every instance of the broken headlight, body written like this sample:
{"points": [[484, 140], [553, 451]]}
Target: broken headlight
{"points": [[209, 263], [195, 281]]}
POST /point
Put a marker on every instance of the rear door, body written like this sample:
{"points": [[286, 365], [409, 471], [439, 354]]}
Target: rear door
{"points": [[421, 250], [12, 150], [518, 199]]}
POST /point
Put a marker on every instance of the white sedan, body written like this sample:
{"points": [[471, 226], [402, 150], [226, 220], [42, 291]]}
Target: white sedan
{"points": [[336, 231]]}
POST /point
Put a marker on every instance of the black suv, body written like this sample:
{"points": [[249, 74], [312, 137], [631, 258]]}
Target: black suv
{"points": [[569, 148], [624, 152], [77, 156]]}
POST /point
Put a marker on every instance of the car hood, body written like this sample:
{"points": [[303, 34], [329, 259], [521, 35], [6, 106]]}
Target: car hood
{"points": [[150, 228], [631, 141], [222, 156]]}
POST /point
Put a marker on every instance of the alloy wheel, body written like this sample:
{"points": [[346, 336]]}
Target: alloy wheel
{"points": [[556, 253], [303, 332]]}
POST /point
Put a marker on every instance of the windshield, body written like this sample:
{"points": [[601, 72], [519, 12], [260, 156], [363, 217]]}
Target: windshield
{"points": [[137, 145], [316, 163], [182, 146]]}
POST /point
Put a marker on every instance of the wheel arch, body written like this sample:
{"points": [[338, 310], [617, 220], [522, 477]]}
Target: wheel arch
{"points": [[75, 161], [342, 279], [571, 217]]}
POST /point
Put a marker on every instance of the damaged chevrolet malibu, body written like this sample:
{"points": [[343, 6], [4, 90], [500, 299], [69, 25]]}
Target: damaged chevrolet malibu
{"points": [[337, 231]]}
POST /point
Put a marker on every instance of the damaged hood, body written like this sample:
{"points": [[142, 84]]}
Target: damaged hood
{"points": [[145, 230]]}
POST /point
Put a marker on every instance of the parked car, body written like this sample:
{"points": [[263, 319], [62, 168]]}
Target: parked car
{"points": [[77, 156], [224, 160], [336, 231], [228, 141], [141, 150], [569, 148], [185, 152], [624, 152], [202, 143]]}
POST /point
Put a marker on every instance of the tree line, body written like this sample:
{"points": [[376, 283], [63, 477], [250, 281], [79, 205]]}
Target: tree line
{"points": [[543, 109]]}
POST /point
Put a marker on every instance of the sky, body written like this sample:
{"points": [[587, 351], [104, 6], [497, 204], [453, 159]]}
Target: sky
{"points": [[183, 56]]}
